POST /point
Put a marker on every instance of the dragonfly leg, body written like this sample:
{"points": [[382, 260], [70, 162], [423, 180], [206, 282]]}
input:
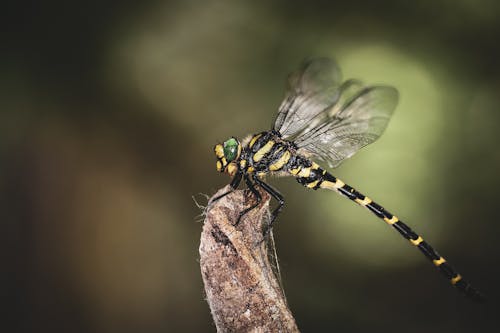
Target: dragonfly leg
{"points": [[276, 195], [256, 194], [234, 185]]}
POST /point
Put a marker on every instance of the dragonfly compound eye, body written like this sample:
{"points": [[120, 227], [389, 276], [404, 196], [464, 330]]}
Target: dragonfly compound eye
{"points": [[232, 149]]}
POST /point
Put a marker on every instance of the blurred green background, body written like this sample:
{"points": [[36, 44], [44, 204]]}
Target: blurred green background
{"points": [[110, 110]]}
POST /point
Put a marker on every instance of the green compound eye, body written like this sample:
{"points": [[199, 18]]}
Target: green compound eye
{"points": [[230, 149]]}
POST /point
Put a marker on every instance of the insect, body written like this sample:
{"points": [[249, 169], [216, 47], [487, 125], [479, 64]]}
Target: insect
{"points": [[325, 119]]}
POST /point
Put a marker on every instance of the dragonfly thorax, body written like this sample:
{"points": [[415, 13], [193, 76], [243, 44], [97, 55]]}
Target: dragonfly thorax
{"points": [[266, 153]]}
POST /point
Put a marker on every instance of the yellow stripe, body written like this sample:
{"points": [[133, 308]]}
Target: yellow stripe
{"points": [[219, 151], [338, 183], [393, 220], [328, 185], [232, 168], [250, 169], [456, 279], [281, 161], [439, 261], [263, 151], [313, 184], [243, 164], [333, 186], [304, 172], [417, 241], [364, 202], [252, 142], [219, 166]]}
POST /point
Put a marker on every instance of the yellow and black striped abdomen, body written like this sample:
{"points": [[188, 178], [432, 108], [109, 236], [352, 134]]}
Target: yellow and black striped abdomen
{"points": [[312, 176]]}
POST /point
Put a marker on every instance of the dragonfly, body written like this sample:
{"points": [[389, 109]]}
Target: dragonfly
{"points": [[324, 119]]}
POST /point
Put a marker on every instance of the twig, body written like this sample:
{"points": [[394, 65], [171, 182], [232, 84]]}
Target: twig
{"points": [[242, 290]]}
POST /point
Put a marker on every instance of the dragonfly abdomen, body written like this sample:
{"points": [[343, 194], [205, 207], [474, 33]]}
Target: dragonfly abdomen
{"points": [[311, 175]]}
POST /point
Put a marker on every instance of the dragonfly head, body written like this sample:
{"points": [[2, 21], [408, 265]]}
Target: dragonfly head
{"points": [[227, 155]]}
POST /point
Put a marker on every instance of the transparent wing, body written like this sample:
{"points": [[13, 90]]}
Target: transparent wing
{"points": [[310, 90], [357, 117]]}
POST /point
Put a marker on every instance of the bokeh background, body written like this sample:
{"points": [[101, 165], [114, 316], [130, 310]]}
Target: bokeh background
{"points": [[109, 112]]}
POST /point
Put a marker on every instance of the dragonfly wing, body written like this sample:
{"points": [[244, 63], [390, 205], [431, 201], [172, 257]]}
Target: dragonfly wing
{"points": [[311, 89], [357, 118]]}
